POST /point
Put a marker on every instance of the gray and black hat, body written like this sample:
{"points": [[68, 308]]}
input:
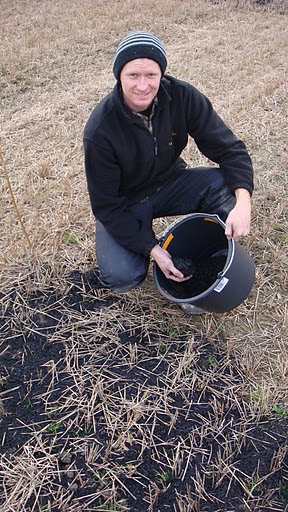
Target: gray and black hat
{"points": [[138, 45]]}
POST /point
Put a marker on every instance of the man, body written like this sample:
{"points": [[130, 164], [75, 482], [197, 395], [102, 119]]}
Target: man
{"points": [[133, 142]]}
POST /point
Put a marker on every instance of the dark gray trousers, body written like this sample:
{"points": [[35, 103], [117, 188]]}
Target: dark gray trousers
{"points": [[189, 190]]}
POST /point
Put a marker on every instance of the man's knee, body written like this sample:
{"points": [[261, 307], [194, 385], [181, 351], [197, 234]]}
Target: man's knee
{"points": [[120, 269], [218, 198], [225, 208], [121, 279]]}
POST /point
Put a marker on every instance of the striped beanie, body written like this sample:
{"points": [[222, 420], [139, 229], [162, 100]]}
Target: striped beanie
{"points": [[139, 45]]}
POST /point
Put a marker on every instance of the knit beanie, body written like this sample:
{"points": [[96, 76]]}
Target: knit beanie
{"points": [[138, 45]]}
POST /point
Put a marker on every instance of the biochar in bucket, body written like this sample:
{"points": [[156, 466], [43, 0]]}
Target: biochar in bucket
{"points": [[203, 275], [222, 272]]}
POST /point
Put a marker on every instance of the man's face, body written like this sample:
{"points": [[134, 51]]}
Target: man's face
{"points": [[140, 80]]}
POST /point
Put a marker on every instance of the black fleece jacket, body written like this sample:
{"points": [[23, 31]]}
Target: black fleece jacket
{"points": [[125, 163]]}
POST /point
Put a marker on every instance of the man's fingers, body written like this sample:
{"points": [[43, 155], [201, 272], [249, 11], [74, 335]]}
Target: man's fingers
{"points": [[229, 231], [176, 275], [179, 278]]}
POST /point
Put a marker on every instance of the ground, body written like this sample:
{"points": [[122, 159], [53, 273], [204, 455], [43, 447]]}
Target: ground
{"points": [[135, 430]]}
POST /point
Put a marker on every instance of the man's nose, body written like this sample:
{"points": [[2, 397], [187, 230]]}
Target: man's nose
{"points": [[142, 83]]}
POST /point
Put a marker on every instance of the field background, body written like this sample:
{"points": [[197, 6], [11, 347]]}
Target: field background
{"points": [[56, 64]]}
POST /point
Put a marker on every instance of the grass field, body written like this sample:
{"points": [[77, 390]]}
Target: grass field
{"points": [[122, 402]]}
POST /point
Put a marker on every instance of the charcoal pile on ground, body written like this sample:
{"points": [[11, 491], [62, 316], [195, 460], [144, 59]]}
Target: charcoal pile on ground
{"points": [[204, 274], [101, 415]]}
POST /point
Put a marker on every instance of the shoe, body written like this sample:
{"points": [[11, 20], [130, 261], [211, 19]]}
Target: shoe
{"points": [[190, 309]]}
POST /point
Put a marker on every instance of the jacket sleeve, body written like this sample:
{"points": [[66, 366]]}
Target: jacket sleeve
{"points": [[130, 226], [218, 143]]}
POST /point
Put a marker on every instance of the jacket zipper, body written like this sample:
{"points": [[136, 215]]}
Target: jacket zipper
{"points": [[155, 146]]}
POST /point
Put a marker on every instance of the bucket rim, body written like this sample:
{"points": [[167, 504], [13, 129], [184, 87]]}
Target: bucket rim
{"points": [[183, 218], [231, 245]]}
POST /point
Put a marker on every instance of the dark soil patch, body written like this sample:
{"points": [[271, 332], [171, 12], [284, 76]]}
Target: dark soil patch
{"points": [[190, 443]]}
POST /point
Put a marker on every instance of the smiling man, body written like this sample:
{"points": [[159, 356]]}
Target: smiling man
{"points": [[140, 81], [133, 142]]}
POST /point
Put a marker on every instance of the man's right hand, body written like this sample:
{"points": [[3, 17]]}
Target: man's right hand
{"points": [[165, 263]]}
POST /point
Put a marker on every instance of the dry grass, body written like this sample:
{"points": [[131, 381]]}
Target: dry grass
{"points": [[55, 65]]}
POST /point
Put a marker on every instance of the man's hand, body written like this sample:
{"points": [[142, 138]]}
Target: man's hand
{"points": [[238, 220], [165, 263]]}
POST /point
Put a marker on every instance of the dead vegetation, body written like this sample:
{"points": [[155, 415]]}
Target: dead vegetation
{"points": [[122, 402]]}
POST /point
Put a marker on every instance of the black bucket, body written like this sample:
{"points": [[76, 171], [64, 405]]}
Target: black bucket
{"points": [[224, 271]]}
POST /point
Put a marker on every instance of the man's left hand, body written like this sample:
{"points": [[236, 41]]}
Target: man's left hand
{"points": [[238, 220]]}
